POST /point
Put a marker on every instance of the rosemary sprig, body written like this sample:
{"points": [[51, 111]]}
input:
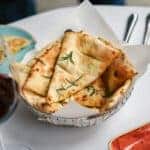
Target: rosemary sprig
{"points": [[71, 84], [47, 77], [91, 90], [68, 57], [60, 89], [74, 83]]}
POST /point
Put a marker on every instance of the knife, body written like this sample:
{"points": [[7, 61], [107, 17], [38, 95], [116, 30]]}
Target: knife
{"points": [[147, 30], [131, 22]]}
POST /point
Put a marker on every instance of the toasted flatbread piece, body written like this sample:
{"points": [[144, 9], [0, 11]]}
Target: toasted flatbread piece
{"points": [[92, 95], [35, 76], [40, 102], [20, 73], [61, 83], [42, 70], [16, 43], [100, 101], [77, 45], [97, 48], [115, 79], [75, 58], [117, 73], [117, 96], [49, 108]]}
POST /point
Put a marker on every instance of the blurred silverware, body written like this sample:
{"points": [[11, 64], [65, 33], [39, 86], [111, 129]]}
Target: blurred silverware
{"points": [[131, 22], [147, 30]]}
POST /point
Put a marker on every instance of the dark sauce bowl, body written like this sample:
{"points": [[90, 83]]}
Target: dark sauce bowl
{"points": [[8, 97]]}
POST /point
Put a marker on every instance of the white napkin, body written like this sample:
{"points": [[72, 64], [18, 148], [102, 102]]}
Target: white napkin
{"points": [[139, 56], [94, 23]]}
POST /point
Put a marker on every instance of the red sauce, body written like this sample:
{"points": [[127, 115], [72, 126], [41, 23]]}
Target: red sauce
{"points": [[138, 139]]}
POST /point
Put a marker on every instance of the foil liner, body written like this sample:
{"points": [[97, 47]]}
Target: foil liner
{"points": [[80, 19]]}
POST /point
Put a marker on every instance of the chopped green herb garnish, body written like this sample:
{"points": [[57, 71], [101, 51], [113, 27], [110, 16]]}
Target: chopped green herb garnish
{"points": [[71, 84], [91, 90], [60, 89], [48, 77], [78, 78], [68, 57], [108, 93]]}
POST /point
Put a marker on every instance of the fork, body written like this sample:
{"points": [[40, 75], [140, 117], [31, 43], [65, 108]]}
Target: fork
{"points": [[131, 22], [147, 30]]}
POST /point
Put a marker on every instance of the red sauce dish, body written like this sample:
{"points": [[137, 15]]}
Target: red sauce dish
{"points": [[138, 139]]}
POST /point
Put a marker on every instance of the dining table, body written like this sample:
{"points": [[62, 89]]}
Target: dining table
{"points": [[24, 128]]}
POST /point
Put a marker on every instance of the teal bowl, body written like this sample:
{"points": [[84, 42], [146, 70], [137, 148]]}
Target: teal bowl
{"points": [[6, 30]]}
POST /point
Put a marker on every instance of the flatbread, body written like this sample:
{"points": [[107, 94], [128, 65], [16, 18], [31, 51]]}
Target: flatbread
{"points": [[75, 59], [41, 72], [93, 95], [117, 96], [20, 73], [107, 86], [34, 78], [41, 103], [97, 48], [117, 73]]}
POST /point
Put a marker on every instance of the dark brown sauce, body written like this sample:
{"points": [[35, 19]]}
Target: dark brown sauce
{"points": [[6, 94]]}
